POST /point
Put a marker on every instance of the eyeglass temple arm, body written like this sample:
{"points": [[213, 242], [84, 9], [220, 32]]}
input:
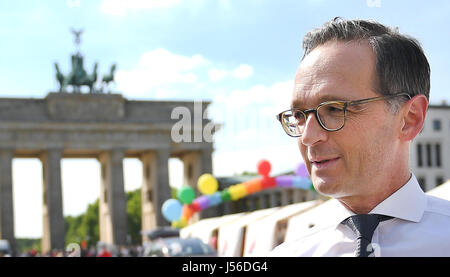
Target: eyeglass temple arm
{"points": [[362, 101]]}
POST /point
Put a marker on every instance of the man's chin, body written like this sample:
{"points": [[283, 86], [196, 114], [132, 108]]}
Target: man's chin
{"points": [[326, 186]]}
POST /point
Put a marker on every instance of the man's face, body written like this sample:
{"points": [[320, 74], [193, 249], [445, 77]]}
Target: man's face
{"points": [[354, 161]]}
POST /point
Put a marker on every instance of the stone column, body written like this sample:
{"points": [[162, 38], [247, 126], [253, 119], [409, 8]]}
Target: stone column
{"points": [[161, 185], [53, 236], [113, 201], [155, 188], [196, 164], [6, 197], [206, 161]]}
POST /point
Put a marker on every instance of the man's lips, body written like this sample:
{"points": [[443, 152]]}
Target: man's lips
{"points": [[324, 163]]}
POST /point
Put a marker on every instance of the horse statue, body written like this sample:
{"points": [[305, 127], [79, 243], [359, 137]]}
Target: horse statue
{"points": [[59, 77], [90, 79], [77, 74], [109, 77]]}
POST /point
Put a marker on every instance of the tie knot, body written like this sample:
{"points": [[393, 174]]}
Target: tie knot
{"points": [[364, 225]]}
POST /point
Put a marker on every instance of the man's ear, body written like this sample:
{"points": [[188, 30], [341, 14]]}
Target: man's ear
{"points": [[413, 117]]}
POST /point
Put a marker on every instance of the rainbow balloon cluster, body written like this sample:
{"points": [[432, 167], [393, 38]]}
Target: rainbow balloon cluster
{"points": [[179, 211]]}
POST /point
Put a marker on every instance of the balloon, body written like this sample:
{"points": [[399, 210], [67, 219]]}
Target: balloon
{"points": [[195, 206], [237, 191], [171, 209], [264, 167], [187, 212], [284, 181], [186, 194], [268, 182], [180, 223], [215, 199], [253, 186], [179, 214], [302, 171], [207, 184], [225, 194], [203, 201], [301, 183]]}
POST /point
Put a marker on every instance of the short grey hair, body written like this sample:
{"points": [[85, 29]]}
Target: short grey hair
{"points": [[401, 65]]}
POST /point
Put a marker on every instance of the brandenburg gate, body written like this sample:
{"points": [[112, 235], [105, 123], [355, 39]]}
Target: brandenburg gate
{"points": [[107, 127]]}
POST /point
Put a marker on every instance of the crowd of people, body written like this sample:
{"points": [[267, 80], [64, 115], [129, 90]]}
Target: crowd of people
{"points": [[102, 250]]}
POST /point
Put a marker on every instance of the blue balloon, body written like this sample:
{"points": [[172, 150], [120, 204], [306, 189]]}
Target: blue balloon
{"points": [[172, 210], [302, 183], [215, 199]]}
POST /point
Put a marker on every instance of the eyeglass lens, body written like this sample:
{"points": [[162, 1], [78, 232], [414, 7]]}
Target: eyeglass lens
{"points": [[332, 117]]}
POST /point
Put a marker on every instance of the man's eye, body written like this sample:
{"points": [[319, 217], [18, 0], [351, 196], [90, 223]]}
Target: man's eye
{"points": [[334, 109], [298, 115]]}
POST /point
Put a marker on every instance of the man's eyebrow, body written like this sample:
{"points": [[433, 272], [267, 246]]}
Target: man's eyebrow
{"points": [[297, 103]]}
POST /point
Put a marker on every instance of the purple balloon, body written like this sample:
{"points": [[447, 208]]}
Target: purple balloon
{"points": [[284, 181], [203, 201], [302, 171]]}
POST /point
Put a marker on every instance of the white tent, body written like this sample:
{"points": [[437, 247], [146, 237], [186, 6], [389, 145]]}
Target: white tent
{"points": [[192, 229], [304, 221], [231, 235], [442, 191], [259, 244], [205, 228]]}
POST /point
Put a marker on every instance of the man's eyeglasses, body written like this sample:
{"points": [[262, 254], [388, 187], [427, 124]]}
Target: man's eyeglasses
{"points": [[331, 115]]}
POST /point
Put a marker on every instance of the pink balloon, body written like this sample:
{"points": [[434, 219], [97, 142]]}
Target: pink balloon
{"points": [[302, 171]]}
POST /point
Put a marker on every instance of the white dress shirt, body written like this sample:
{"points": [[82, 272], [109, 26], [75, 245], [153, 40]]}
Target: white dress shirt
{"points": [[421, 227]]}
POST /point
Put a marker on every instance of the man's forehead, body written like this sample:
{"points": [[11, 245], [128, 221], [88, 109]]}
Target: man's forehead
{"points": [[336, 71], [301, 100], [320, 90]]}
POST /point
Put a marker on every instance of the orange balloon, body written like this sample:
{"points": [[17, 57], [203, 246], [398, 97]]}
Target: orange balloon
{"points": [[187, 212], [253, 186]]}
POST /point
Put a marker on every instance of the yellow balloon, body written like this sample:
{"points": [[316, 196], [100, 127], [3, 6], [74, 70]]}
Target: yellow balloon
{"points": [[207, 184], [237, 192], [180, 223]]}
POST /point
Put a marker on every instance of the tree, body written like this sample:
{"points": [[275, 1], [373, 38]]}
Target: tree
{"points": [[90, 224], [86, 226], [134, 212]]}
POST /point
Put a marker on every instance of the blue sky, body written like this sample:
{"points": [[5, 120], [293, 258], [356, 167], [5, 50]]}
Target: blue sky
{"points": [[242, 55]]}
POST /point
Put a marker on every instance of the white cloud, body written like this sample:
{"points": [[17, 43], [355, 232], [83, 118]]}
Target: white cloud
{"points": [[161, 72], [283, 157], [158, 69], [243, 71], [122, 7], [217, 74], [272, 98], [251, 132]]}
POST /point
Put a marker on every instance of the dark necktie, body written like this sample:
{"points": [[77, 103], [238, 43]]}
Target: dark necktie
{"points": [[363, 225]]}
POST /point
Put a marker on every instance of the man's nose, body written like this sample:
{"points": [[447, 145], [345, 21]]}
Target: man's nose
{"points": [[313, 133]]}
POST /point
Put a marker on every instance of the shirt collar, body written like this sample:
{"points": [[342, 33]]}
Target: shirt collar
{"points": [[408, 203]]}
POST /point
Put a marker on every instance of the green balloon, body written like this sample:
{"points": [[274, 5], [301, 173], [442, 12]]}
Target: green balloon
{"points": [[186, 194], [312, 187], [226, 196]]}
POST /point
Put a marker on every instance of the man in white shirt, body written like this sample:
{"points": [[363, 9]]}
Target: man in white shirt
{"points": [[360, 97]]}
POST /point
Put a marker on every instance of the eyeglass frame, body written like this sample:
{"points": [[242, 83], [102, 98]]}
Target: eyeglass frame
{"points": [[344, 104]]}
